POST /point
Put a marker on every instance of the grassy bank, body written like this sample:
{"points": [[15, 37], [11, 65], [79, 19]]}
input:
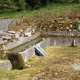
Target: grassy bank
{"points": [[52, 8], [60, 63]]}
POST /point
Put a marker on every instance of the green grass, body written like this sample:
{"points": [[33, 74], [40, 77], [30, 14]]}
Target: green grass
{"points": [[61, 7], [7, 75], [56, 8], [57, 64]]}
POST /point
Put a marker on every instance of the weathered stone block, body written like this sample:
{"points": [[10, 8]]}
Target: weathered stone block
{"points": [[5, 65], [27, 54]]}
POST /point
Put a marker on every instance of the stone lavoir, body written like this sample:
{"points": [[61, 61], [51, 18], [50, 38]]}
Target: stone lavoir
{"points": [[22, 57], [47, 41]]}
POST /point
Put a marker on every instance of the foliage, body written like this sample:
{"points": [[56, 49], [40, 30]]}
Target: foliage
{"points": [[11, 5], [18, 5], [34, 4], [66, 1], [51, 8]]}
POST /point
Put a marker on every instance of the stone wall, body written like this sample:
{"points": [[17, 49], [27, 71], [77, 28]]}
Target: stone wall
{"points": [[62, 33]]}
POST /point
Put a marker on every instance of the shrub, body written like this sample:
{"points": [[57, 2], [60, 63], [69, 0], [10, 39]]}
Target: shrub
{"points": [[18, 5]]}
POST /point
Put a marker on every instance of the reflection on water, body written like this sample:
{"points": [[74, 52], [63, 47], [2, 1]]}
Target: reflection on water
{"points": [[66, 41], [25, 46]]}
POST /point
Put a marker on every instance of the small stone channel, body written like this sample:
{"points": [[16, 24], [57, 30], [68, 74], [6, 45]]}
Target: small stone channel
{"points": [[25, 45]]}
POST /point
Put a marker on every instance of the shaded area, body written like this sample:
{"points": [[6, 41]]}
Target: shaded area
{"points": [[16, 60], [39, 51]]}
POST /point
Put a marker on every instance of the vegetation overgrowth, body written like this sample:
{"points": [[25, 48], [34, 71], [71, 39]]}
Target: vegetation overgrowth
{"points": [[49, 13], [19, 5], [51, 8], [59, 63]]}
